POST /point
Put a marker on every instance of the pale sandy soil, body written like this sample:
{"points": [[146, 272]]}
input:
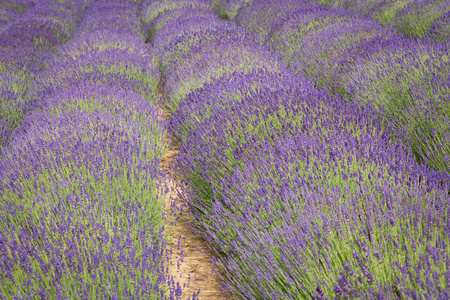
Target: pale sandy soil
{"points": [[197, 262]]}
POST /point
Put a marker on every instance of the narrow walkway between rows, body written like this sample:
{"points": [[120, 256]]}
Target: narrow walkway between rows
{"points": [[196, 268]]}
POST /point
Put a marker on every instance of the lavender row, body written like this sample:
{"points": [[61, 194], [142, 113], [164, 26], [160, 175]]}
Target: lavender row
{"points": [[286, 180], [234, 10], [302, 195], [25, 46], [80, 182], [352, 56], [259, 15], [156, 14], [195, 47], [11, 10], [418, 19]]}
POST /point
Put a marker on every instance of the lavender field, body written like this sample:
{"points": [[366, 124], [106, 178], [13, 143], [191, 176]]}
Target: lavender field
{"points": [[312, 139]]}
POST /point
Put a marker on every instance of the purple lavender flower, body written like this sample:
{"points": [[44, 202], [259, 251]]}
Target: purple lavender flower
{"points": [[262, 16], [407, 81]]}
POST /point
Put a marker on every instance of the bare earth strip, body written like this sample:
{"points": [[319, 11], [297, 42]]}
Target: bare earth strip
{"points": [[196, 266]]}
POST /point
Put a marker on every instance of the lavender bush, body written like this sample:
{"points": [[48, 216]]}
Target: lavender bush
{"points": [[84, 198], [223, 92], [280, 170], [111, 15], [214, 62], [104, 39], [322, 43], [304, 195], [11, 10], [174, 44], [135, 68], [329, 52], [173, 15], [228, 9], [157, 13], [12, 89], [154, 8], [45, 26], [195, 49], [416, 18], [37, 31], [191, 40], [413, 18], [25, 46], [440, 30], [261, 15], [80, 181], [185, 26], [409, 79]]}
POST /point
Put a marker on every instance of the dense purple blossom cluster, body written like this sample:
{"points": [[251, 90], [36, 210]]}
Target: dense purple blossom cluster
{"points": [[25, 45], [228, 9], [11, 10], [353, 56], [416, 18], [313, 145], [409, 80], [326, 42], [264, 15], [157, 13], [80, 185], [303, 194]]}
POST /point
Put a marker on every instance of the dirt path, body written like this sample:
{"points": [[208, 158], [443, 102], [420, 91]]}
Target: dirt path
{"points": [[196, 265]]}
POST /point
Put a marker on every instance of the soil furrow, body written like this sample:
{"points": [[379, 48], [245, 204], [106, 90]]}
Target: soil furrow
{"points": [[196, 266]]}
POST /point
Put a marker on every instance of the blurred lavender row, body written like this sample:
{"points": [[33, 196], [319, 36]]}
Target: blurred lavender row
{"points": [[25, 46], [302, 194], [418, 18], [80, 186], [12, 9], [414, 18]]}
